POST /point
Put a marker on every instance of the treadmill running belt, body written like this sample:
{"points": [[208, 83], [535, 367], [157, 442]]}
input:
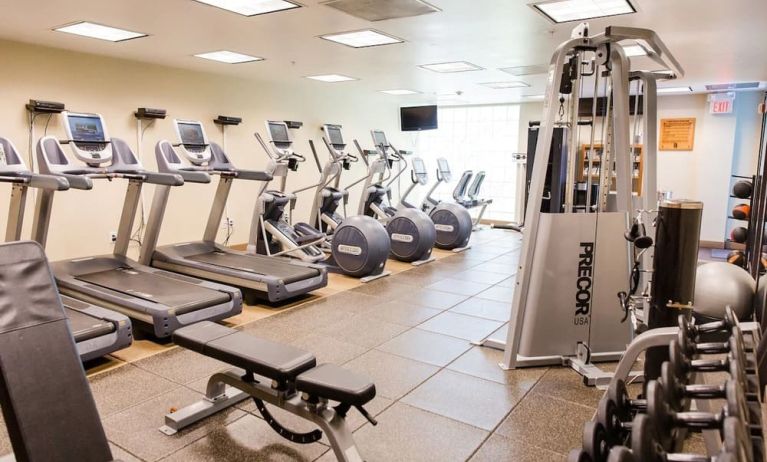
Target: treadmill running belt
{"points": [[258, 264], [86, 327], [180, 296]]}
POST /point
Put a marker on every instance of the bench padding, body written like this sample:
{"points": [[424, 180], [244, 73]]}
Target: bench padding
{"points": [[273, 360], [336, 384]]}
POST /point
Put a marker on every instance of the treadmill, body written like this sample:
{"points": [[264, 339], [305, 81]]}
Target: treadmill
{"points": [[96, 331], [260, 277], [156, 300]]}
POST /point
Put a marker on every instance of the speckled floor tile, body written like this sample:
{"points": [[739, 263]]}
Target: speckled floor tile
{"points": [[394, 376], [282, 328], [482, 277], [483, 362], [433, 298], [136, 429], [507, 268], [402, 311], [460, 326], [509, 282], [379, 287], [499, 294], [126, 386], [426, 347], [565, 383], [406, 434], [501, 449], [468, 399], [483, 308], [552, 423], [247, 439], [364, 330], [181, 366], [329, 349], [460, 287]]}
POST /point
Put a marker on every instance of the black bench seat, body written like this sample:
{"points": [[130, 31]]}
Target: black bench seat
{"points": [[337, 384], [276, 361]]}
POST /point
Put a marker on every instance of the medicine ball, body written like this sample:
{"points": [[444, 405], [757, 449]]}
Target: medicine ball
{"points": [[742, 189], [741, 211], [739, 234], [737, 258]]}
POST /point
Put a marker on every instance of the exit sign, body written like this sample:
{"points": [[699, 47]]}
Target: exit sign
{"points": [[721, 103]]}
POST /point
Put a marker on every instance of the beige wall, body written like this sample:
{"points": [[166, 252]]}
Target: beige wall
{"points": [[82, 220]]}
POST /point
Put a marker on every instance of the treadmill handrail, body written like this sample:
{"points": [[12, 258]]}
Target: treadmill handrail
{"points": [[53, 182], [165, 179], [253, 175], [77, 181], [194, 176]]}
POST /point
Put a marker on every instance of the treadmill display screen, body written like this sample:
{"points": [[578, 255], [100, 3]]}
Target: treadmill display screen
{"points": [[191, 133], [418, 166], [86, 128], [443, 166], [335, 136], [279, 132], [379, 138]]}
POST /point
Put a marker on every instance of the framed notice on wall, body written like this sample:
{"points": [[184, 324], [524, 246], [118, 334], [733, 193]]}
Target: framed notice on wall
{"points": [[677, 134]]}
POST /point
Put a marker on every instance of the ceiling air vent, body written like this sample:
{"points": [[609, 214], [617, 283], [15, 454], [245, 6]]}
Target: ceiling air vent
{"points": [[377, 10], [526, 70], [732, 86]]}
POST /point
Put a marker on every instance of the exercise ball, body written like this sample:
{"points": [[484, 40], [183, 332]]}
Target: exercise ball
{"points": [[720, 284], [741, 211], [739, 234], [742, 189], [737, 258]]}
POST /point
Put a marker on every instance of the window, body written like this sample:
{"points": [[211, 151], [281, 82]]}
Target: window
{"points": [[477, 138]]}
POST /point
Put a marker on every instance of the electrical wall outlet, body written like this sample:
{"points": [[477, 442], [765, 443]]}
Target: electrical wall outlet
{"points": [[113, 236]]}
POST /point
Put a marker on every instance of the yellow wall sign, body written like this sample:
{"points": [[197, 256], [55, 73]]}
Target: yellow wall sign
{"points": [[677, 134]]}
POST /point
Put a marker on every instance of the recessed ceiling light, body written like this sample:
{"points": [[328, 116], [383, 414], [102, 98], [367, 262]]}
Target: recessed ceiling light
{"points": [[674, 90], [634, 50], [505, 85], [99, 31], [457, 66], [331, 78], [229, 57], [400, 92], [533, 96], [577, 10], [252, 7], [519, 71], [362, 38]]}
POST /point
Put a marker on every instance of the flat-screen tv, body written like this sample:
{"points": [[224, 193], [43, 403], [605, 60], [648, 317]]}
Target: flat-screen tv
{"points": [[413, 119]]}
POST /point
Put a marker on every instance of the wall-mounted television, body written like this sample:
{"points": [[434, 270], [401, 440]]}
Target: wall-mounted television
{"points": [[413, 119]]}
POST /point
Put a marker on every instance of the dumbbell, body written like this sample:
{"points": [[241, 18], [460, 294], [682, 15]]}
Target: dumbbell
{"points": [[686, 340], [595, 442], [578, 455], [682, 365], [646, 448], [616, 410], [666, 419], [725, 325]]}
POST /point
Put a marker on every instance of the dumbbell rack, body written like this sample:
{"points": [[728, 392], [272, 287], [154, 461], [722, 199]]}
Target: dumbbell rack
{"points": [[657, 425]]}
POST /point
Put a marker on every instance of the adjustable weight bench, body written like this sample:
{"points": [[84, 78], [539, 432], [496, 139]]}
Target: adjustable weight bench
{"points": [[278, 374]]}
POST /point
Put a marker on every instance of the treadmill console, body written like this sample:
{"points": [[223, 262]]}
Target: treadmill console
{"points": [[279, 134], [87, 134], [194, 142]]}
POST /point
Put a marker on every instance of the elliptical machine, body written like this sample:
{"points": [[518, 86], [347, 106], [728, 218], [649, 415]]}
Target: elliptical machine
{"points": [[359, 246], [452, 221], [411, 231]]}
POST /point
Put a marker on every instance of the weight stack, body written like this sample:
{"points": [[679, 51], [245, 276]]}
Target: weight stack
{"points": [[677, 235]]}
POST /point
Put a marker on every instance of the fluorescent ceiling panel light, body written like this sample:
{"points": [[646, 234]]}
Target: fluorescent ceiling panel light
{"points": [[457, 66], [251, 7], [400, 92], [99, 31], [674, 90], [505, 85], [578, 10], [331, 78], [519, 71], [533, 96], [362, 38], [634, 50], [229, 57]]}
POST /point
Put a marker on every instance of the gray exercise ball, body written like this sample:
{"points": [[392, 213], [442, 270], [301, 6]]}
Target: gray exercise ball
{"points": [[721, 284]]}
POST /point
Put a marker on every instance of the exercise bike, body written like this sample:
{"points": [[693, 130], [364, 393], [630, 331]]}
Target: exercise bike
{"points": [[359, 246], [411, 232]]}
